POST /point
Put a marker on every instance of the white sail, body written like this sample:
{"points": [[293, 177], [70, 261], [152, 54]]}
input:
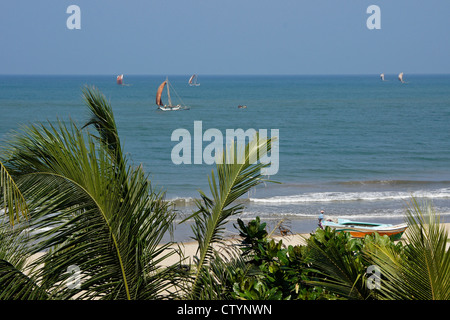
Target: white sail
{"points": [[382, 76], [193, 81], [400, 77]]}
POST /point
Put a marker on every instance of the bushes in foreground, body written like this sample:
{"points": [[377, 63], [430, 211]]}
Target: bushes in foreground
{"points": [[330, 265]]}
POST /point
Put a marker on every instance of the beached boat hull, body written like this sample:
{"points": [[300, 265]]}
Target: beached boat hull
{"points": [[361, 229]]}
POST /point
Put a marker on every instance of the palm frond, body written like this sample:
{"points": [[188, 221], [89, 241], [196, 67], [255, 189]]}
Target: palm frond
{"points": [[334, 259], [423, 271], [102, 117], [91, 210], [11, 199], [16, 283], [234, 178]]}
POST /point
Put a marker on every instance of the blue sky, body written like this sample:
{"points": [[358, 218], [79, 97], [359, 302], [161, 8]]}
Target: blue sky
{"points": [[224, 37]]}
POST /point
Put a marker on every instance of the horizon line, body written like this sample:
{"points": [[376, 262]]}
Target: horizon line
{"points": [[218, 74]]}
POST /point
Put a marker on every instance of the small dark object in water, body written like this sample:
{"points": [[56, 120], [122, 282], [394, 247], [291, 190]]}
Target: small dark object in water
{"points": [[242, 107]]}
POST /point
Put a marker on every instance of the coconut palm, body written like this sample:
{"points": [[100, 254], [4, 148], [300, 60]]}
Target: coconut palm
{"points": [[89, 210]]}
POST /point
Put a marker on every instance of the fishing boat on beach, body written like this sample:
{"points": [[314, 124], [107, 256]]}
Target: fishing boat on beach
{"points": [[359, 229], [193, 81], [169, 106]]}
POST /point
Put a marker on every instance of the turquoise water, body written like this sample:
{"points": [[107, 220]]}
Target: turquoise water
{"points": [[353, 146]]}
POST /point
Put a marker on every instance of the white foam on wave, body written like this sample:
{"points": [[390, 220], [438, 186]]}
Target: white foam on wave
{"points": [[353, 196], [388, 213]]}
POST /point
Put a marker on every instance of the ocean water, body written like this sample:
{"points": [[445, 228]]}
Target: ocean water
{"points": [[353, 146]]}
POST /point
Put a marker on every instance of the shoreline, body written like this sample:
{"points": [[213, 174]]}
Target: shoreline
{"points": [[295, 225], [188, 249]]}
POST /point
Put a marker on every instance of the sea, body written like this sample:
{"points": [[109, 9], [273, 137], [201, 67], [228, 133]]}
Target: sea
{"points": [[351, 145]]}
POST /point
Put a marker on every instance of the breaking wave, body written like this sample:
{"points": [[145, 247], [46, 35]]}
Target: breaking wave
{"points": [[354, 196]]}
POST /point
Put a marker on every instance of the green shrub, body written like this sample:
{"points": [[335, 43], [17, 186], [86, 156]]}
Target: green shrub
{"points": [[276, 272]]}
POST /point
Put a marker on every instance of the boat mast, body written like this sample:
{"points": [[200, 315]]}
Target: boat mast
{"points": [[168, 91]]}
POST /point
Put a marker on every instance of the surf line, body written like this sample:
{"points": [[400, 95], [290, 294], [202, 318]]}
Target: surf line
{"points": [[182, 151]]}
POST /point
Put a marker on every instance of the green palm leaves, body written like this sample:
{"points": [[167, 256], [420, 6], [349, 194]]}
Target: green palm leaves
{"points": [[93, 212], [233, 179], [11, 199], [419, 269], [422, 270], [90, 209]]}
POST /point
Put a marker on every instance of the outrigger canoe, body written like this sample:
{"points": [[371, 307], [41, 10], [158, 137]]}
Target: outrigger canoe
{"points": [[361, 229]]}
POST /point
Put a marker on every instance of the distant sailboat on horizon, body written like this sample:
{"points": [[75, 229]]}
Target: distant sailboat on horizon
{"points": [[169, 106], [382, 77], [120, 82], [120, 79], [193, 81], [400, 77]]}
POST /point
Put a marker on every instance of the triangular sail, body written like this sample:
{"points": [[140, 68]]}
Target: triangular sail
{"points": [[159, 93], [400, 77], [193, 80], [382, 76], [169, 106]]}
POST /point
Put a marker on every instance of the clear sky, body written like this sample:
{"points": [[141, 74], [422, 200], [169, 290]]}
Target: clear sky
{"points": [[224, 37]]}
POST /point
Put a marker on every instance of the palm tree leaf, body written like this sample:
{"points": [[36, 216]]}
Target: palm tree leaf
{"points": [[11, 197], [336, 262], [15, 279], [422, 271], [90, 209], [235, 177], [101, 117]]}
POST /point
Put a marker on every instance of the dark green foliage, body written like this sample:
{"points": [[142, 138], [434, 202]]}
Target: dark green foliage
{"points": [[277, 272], [253, 234], [343, 261], [331, 265], [88, 208]]}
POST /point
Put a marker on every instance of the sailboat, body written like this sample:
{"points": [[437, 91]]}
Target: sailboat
{"points": [[400, 77], [120, 79], [382, 76], [167, 107], [193, 81]]}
